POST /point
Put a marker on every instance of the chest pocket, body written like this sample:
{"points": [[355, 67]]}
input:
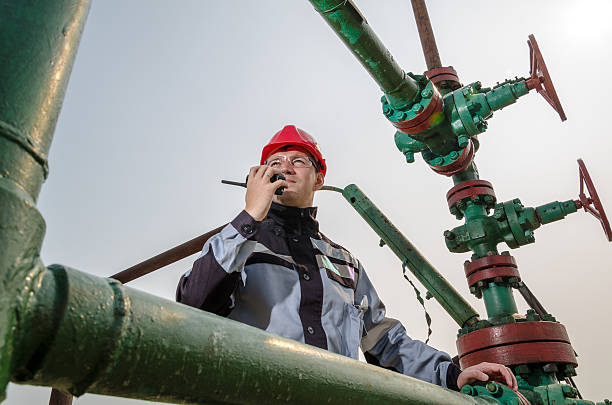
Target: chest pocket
{"points": [[353, 327], [344, 274]]}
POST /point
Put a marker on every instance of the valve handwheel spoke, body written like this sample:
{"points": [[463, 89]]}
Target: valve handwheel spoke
{"points": [[540, 78], [592, 203]]}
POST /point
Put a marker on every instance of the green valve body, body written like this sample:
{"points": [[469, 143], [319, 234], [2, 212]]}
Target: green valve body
{"points": [[443, 124]]}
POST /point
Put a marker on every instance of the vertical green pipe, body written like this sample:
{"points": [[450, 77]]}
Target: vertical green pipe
{"points": [[353, 29], [456, 306], [469, 173], [499, 300], [38, 42]]}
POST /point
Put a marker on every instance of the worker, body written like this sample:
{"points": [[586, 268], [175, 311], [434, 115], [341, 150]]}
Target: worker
{"points": [[273, 269]]}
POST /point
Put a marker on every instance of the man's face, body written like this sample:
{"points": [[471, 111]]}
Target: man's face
{"points": [[302, 181]]}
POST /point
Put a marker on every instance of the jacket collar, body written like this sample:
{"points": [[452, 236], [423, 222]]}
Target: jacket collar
{"points": [[295, 220]]}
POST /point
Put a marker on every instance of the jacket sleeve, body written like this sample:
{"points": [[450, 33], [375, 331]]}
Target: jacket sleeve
{"points": [[211, 282], [386, 344]]}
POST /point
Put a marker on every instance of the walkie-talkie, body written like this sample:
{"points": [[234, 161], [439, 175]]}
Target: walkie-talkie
{"points": [[278, 176]]}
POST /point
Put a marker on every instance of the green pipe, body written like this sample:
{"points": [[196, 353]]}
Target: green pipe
{"points": [[105, 338], [353, 29], [456, 306], [469, 173], [38, 43], [499, 300]]}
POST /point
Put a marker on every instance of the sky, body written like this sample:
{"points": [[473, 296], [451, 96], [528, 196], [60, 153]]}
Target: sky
{"points": [[168, 98]]}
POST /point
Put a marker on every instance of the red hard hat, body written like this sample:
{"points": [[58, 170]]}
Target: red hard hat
{"points": [[291, 135]]}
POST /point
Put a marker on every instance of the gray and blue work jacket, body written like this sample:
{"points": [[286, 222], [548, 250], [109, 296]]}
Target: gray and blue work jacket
{"points": [[283, 276]]}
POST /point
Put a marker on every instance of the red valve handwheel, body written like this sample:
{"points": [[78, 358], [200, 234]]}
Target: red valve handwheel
{"points": [[540, 78], [593, 199]]}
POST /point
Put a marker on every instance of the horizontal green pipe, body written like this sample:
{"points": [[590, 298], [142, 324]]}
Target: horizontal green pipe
{"points": [[353, 29], [456, 306], [89, 334]]}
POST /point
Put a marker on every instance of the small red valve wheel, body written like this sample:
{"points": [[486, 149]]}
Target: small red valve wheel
{"points": [[591, 203], [540, 78]]}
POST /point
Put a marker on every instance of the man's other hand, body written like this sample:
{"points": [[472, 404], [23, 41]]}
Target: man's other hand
{"points": [[260, 191], [486, 372]]}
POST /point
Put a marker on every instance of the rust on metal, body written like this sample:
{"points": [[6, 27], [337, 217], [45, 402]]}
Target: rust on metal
{"points": [[59, 398], [428, 41], [163, 259]]}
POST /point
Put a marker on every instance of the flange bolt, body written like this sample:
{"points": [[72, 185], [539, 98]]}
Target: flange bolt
{"points": [[569, 391], [494, 388]]}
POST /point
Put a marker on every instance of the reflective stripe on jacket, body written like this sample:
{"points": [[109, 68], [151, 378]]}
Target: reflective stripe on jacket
{"points": [[283, 276]]}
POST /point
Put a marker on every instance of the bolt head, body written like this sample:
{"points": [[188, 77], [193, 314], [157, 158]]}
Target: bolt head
{"points": [[401, 116], [417, 108], [426, 93]]}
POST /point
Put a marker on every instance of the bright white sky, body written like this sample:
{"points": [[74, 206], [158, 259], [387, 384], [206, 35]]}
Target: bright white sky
{"points": [[168, 98]]}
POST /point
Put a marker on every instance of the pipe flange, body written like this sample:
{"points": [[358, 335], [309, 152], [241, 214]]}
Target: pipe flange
{"points": [[424, 118], [490, 268], [517, 343], [472, 189], [458, 164], [444, 77]]}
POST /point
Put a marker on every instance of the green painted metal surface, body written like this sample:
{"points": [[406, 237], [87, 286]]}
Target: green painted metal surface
{"points": [[64, 328], [456, 306], [105, 335], [348, 23], [500, 393], [499, 300], [38, 42], [510, 223]]}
